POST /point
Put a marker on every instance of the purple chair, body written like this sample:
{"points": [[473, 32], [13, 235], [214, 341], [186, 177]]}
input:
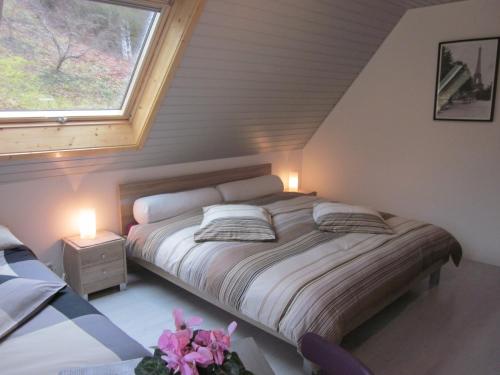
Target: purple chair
{"points": [[330, 358]]}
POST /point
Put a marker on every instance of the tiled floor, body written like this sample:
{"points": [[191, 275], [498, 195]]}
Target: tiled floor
{"points": [[451, 329]]}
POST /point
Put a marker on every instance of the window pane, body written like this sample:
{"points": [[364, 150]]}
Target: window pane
{"points": [[69, 55]]}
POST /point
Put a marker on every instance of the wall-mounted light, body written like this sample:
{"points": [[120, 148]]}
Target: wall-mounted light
{"points": [[87, 223], [293, 181]]}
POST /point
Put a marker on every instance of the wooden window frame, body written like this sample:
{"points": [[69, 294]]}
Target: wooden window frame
{"points": [[35, 137]]}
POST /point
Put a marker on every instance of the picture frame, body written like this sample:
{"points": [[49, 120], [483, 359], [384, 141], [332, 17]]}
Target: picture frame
{"points": [[466, 80]]}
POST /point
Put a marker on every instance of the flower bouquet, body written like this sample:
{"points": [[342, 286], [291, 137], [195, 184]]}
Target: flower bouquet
{"points": [[193, 352]]}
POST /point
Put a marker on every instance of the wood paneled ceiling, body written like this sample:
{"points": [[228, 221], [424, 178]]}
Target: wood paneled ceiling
{"points": [[257, 76]]}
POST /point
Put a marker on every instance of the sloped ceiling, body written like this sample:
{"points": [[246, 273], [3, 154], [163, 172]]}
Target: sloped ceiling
{"points": [[257, 76]]}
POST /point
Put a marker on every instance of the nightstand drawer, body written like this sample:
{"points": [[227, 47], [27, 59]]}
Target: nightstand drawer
{"points": [[95, 286], [103, 254], [102, 272]]}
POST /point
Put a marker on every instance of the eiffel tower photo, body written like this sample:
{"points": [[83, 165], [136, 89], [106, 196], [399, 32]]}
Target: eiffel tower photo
{"points": [[465, 89]]}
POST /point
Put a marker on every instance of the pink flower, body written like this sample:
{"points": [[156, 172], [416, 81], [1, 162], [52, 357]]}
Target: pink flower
{"points": [[181, 324], [202, 338], [183, 352], [174, 342], [207, 355], [186, 364], [217, 342]]}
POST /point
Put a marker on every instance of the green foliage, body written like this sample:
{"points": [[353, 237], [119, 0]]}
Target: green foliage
{"points": [[152, 366], [232, 366], [94, 19], [23, 87], [97, 77], [13, 70], [156, 366]]}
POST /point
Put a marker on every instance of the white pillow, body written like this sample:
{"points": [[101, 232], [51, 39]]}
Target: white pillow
{"points": [[7, 239], [251, 188], [164, 206]]}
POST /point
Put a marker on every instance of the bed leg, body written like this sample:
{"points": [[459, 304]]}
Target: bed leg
{"points": [[434, 278], [310, 368]]}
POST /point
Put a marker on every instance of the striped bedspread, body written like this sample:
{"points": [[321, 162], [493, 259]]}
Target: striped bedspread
{"points": [[307, 280], [68, 332]]}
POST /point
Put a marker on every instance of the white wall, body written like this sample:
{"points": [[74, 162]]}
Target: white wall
{"points": [[380, 146], [41, 212]]}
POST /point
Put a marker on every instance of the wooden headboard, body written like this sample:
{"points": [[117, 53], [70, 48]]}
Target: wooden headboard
{"points": [[129, 192]]}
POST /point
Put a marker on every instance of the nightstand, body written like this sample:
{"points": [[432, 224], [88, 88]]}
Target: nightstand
{"points": [[95, 264]]}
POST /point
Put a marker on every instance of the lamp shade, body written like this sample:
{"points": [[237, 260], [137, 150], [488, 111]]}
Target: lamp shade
{"points": [[293, 181], [87, 223]]}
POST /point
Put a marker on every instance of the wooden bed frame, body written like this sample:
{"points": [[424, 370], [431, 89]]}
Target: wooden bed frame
{"points": [[129, 192]]}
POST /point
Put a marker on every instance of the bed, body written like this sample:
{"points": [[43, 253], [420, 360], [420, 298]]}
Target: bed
{"points": [[65, 332], [306, 281]]}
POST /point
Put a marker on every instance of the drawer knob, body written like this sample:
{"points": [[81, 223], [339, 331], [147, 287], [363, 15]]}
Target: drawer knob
{"points": [[103, 256]]}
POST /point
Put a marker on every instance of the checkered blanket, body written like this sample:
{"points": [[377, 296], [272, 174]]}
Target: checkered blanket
{"points": [[66, 332]]}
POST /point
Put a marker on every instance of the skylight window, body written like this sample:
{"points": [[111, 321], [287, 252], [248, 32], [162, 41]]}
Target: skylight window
{"points": [[64, 59], [79, 77]]}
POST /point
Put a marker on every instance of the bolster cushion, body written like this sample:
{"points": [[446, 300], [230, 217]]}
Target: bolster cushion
{"points": [[164, 206], [250, 188]]}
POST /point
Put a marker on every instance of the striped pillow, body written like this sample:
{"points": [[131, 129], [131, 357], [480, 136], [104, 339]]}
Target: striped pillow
{"points": [[344, 218], [235, 222]]}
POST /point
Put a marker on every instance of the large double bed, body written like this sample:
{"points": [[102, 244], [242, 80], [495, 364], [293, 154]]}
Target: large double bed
{"points": [[306, 281]]}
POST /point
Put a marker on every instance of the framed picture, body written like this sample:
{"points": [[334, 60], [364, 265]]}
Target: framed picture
{"points": [[466, 80]]}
